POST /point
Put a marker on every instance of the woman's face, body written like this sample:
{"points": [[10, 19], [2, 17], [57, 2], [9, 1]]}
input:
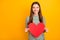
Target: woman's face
{"points": [[35, 8]]}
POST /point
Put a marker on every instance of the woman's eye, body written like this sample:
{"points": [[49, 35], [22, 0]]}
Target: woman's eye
{"points": [[33, 7], [37, 7]]}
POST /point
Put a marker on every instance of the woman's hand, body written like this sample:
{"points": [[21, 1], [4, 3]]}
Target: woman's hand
{"points": [[46, 29], [26, 29]]}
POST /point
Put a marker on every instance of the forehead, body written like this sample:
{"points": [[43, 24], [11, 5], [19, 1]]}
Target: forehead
{"points": [[35, 5]]}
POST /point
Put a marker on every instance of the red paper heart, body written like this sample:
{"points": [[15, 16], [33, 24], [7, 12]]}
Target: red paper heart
{"points": [[36, 30]]}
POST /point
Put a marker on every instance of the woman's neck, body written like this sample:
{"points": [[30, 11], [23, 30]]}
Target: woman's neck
{"points": [[36, 14]]}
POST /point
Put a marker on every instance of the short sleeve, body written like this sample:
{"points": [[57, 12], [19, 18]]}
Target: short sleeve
{"points": [[26, 22], [44, 21]]}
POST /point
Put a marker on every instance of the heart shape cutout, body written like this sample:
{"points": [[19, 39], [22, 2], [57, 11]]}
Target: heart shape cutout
{"points": [[36, 30]]}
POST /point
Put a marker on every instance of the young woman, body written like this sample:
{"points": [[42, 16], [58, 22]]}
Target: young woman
{"points": [[35, 17]]}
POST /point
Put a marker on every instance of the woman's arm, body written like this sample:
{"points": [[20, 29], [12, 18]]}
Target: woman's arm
{"points": [[44, 21], [26, 22]]}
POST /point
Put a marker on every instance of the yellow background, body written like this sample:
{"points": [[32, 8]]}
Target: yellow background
{"points": [[14, 12]]}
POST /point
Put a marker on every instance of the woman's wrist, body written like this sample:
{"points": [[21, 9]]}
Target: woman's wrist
{"points": [[26, 29], [46, 30]]}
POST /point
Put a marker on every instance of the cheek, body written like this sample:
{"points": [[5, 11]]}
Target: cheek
{"points": [[37, 9], [33, 9]]}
